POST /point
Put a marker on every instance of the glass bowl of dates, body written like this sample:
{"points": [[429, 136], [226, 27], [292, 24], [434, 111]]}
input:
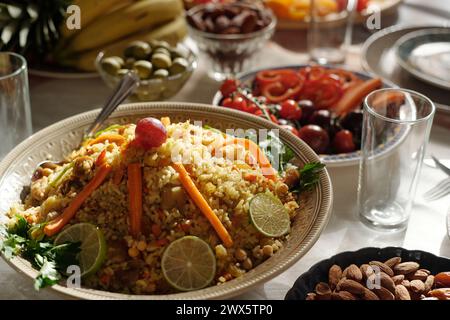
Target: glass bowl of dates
{"points": [[230, 34], [163, 69], [390, 273], [322, 105]]}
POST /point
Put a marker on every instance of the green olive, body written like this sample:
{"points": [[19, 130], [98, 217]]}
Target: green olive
{"points": [[143, 68], [163, 51], [160, 73], [138, 49], [179, 65], [177, 53], [129, 62], [122, 72], [112, 64], [161, 61], [159, 44]]}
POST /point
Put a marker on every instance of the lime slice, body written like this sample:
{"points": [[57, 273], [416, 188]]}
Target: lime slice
{"points": [[269, 216], [93, 246], [188, 264]]}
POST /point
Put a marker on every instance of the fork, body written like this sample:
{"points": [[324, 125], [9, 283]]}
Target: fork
{"points": [[439, 191]]}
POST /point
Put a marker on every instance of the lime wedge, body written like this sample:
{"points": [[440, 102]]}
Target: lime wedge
{"points": [[269, 216], [93, 246], [188, 264]]}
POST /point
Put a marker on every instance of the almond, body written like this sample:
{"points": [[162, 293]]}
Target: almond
{"points": [[406, 284], [392, 262], [343, 295], [428, 272], [401, 293], [429, 282], [353, 272], [406, 267], [384, 294], [387, 282], [369, 295], [334, 275], [366, 271], [323, 291], [417, 286], [398, 279], [351, 286], [418, 275], [382, 267], [311, 296]]}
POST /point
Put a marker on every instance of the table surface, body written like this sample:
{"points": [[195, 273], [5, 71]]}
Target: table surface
{"points": [[53, 100]]}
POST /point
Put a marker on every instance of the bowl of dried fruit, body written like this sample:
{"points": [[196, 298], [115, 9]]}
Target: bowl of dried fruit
{"points": [[390, 273]]}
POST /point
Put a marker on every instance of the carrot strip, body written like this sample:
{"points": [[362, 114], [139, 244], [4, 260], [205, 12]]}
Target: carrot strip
{"points": [[101, 158], [202, 204], [255, 151], [165, 121], [135, 196], [54, 226], [353, 97], [113, 138], [118, 175]]}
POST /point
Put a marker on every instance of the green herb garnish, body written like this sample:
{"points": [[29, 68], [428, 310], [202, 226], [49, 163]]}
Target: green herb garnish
{"points": [[51, 260], [110, 128], [309, 176]]}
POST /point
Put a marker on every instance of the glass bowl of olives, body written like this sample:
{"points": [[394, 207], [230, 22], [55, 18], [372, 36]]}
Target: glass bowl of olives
{"points": [[162, 69]]}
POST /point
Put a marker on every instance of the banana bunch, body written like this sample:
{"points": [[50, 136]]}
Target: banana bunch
{"points": [[110, 25]]}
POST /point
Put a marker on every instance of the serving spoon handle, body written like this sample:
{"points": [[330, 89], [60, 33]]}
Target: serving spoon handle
{"points": [[123, 90]]}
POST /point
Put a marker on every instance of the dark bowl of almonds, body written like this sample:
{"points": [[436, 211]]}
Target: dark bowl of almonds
{"points": [[390, 273], [163, 69], [230, 34]]}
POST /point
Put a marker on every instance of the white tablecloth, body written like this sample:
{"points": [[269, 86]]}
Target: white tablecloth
{"points": [[53, 100]]}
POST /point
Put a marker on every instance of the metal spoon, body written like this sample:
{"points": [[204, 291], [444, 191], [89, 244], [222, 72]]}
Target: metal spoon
{"points": [[120, 93]]}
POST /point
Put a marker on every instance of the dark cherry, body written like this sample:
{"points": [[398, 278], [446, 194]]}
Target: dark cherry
{"points": [[322, 118], [316, 137]]}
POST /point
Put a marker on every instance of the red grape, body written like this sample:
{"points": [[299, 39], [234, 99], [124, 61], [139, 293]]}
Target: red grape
{"points": [[150, 133]]}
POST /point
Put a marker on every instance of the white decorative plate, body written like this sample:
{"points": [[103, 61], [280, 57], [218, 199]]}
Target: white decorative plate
{"points": [[57, 140]]}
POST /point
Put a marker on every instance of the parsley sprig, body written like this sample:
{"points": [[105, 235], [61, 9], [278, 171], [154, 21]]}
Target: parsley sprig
{"points": [[51, 260]]}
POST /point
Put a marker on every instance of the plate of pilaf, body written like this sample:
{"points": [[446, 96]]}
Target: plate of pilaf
{"points": [[165, 201]]}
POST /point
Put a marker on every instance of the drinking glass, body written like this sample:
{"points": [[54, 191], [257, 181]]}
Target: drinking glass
{"points": [[15, 114], [396, 128], [329, 32]]}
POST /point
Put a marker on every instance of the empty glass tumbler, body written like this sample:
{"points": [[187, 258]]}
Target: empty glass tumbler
{"points": [[15, 114], [330, 30], [396, 128]]}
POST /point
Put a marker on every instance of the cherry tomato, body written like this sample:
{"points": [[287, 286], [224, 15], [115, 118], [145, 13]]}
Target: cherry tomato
{"points": [[343, 142], [290, 110], [227, 102], [291, 129], [228, 87], [239, 103], [150, 133], [316, 137], [251, 107]]}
